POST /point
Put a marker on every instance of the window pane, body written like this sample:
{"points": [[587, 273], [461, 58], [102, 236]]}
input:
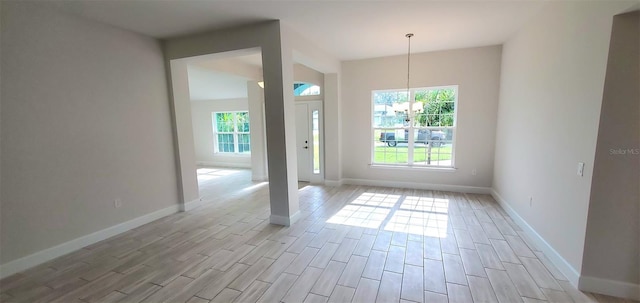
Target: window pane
{"points": [[244, 143], [433, 147], [390, 146], [242, 122], [313, 90], [390, 109], [305, 89], [225, 143], [224, 122], [436, 107], [316, 142]]}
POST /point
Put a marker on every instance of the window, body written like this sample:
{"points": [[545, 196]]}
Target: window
{"points": [[316, 141], [306, 89], [231, 132], [414, 128]]}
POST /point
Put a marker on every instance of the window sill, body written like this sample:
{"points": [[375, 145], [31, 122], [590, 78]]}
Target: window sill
{"points": [[423, 168]]}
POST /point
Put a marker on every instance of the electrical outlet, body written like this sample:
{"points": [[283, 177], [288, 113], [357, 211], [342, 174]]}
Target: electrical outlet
{"points": [[117, 203], [580, 169], [474, 172], [530, 201]]}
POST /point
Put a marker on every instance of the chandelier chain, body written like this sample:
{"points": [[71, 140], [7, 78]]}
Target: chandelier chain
{"points": [[408, 69], [408, 60]]}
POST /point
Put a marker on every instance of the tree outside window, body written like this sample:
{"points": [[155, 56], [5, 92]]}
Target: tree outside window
{"points": [[231, 132]]}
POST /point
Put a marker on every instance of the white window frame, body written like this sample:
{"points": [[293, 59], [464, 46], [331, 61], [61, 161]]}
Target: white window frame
{"points": [[410, 148], [235, 133]]}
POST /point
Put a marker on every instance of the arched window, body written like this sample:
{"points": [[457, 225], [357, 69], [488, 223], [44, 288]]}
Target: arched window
{"points": [[305, 89]]}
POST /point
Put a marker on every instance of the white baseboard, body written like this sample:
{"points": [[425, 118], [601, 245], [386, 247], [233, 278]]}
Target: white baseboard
{"points": [[565, 268], [418, 185], [333, 182], [191, 205], [591, 284], [48, 254], [610, 287], [282, 220], [223, 164]]}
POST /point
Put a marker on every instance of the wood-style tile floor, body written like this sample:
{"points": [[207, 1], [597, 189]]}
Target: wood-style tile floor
{"points": [[351, 244]]}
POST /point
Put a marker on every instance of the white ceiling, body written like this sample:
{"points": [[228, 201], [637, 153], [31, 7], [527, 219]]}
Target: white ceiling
{"points": [[347, 29]]}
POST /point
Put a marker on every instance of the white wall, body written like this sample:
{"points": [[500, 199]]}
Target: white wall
{"points": [[85, 120], [612, 245], [236, 65], [203, 132], [332, 129], [308, 53], [183, 133], [475, 70], [207, 84], [550, 96], [258, 139], [303, 73]]}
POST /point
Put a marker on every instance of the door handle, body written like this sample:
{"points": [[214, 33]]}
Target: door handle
{"points": [[306, 147]]}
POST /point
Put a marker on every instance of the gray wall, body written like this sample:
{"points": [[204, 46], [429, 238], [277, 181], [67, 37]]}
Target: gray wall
{"points": [[476, 71], [612, 245], [552, 81], [85, 120]]}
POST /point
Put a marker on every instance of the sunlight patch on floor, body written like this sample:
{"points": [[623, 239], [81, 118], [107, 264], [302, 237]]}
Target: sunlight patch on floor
{"points": [[435, 205], [359, 215], [378, 200], [206, 174], [255, 186], [415, 215]]}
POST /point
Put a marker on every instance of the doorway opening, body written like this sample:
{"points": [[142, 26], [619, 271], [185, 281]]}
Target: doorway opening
{"points": [[220, 118]]}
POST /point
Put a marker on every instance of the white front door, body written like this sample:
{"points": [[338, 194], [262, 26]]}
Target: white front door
{"points": [[302, 141], [308, 141]]}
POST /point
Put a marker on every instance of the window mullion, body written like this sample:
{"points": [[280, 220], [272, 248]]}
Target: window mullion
{"points": [[215, 132], [235, 133], [411, 134]]}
